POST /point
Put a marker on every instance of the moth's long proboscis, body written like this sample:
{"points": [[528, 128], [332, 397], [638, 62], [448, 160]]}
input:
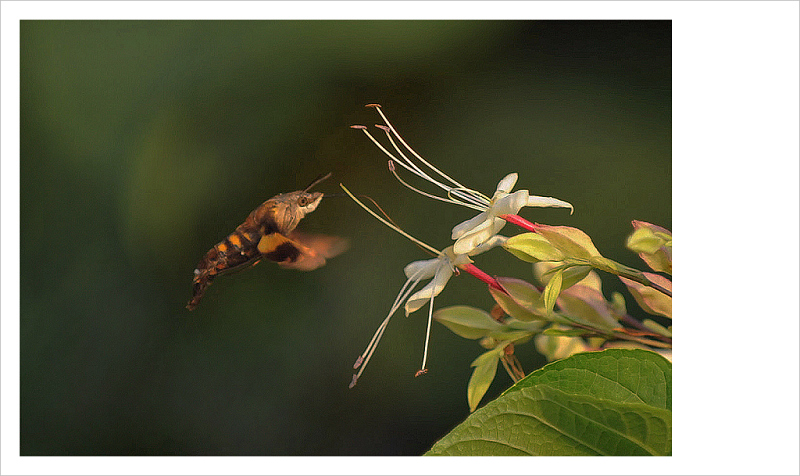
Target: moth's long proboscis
{"points": [[318, 180]]}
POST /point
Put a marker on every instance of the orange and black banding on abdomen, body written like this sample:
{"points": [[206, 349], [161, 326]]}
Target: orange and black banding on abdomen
{"points": [[235, 250]]}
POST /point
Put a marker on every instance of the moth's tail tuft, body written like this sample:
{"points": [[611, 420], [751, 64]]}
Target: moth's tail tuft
{"points": [[202, 280]]}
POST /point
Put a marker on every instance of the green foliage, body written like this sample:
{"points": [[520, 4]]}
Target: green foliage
{"points": [[467, 322], [482, 376], [571, 241], [591, 406], [570, 314], [589, 305], [651, 300], [614, 402], [654, 245], [533, 248], [523, 301], [552, 290]]}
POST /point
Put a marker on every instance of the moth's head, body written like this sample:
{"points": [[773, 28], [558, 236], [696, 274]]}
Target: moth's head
{"points": [[289, 208], [305, 202], [293, 207]]}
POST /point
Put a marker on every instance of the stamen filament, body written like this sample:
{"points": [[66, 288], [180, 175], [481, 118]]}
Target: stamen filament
{"points": [[430, 318], [380, 146], [382, 220], [404, 293], [394, 131], [466, 194], [435, 197], [408, 162], [477, 197]]}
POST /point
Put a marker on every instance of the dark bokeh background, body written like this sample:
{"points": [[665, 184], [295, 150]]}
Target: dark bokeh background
{"points": [[144, 143]]}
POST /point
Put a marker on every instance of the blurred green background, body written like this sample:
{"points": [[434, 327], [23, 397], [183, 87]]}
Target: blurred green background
{"points": [[145, 142]]}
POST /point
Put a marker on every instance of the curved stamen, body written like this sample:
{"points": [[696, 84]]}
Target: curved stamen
{"points": [[465, 194], [459, 191], [435, 197], [404, 293], [477, 196], [375, 141], [394, 131], [408, 163]]}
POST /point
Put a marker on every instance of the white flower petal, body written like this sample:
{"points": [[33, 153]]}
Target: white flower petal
{"points": [[422, 269], [468, 225], [460, 259], [510, 204], [496, 240], [479, 235], [507, 183], [534, 201], [433, 288], [476, 231]]}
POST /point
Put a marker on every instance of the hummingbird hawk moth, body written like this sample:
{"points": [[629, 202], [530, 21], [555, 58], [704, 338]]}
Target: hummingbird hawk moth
{"points": [[269, 232]]}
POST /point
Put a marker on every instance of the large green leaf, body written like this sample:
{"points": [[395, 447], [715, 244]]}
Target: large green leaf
{"points": [[614, 402]]}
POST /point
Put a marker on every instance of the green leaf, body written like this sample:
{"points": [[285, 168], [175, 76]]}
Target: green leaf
{"points": [[558, 347], [532, 247], [524, 302], [573, 275], [542, 272], [571, 241], [467, 322], [614, 402], [482, 377], [618, 304], [611, 266], [552, 290], [644, 240], [589, 305], [512, 336], [651, 300], [627, 375], [654, 245], [554, 331], [656, 327]]}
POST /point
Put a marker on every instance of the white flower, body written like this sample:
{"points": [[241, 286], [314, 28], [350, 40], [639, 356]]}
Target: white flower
{"points": [[475, 231], [479, 229], [439, 270]]}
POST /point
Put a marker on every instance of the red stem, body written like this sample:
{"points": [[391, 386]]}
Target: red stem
{"points": [[520, 222], [480, 274]]}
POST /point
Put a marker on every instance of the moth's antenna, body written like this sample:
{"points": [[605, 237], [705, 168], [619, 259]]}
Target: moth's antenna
{"points": [[318, 180]]}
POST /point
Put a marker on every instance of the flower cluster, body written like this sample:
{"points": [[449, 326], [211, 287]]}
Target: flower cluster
{"points": [[471, 237]]}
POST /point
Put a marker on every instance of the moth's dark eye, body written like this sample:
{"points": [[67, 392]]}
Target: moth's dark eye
{"points": [[303, 201]]}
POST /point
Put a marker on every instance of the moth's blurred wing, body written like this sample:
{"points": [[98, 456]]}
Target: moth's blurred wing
{"points": [[316, 249], [301, 251]]}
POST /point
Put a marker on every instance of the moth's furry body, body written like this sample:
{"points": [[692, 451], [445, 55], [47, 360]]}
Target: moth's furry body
{"points": [[268, 232]]}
